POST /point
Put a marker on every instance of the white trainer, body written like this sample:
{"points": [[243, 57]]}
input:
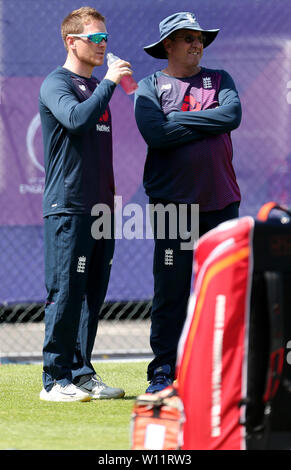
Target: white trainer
{"points": [[68, 393], [98, 389]]}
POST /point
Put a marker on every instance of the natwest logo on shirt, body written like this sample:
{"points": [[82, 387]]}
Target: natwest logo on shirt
{"points": [[190, 104], [105, 116], [101, 126]]}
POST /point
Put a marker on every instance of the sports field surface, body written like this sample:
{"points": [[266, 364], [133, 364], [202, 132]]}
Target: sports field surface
{"points": [[27, 423]]}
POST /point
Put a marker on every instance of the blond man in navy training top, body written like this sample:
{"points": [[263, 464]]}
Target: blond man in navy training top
{"points": [[185, 113], [77, 138]]}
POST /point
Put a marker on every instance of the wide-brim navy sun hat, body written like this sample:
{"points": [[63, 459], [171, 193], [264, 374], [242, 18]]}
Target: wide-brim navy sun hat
{"points": [[181, 20]]}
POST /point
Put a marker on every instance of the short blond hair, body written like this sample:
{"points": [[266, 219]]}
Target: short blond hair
{"points": [[75, 21]]}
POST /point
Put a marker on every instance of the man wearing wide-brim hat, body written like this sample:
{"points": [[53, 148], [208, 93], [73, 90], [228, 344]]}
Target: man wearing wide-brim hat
{"points": [[185, 113]]}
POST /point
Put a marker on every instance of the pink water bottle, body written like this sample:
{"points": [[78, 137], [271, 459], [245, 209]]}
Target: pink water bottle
{"points": [[127, 82]]}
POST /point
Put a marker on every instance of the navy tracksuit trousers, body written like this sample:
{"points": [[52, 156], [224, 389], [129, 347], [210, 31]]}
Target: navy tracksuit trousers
{"points": [[77, 270], [172, 269]]}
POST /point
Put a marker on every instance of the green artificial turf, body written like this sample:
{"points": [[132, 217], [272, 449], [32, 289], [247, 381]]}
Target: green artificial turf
{"points": [[27, 423]]}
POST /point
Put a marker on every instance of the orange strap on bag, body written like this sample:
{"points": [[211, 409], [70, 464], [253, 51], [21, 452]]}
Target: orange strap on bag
{"points": [[265, 210], [157, 421]]}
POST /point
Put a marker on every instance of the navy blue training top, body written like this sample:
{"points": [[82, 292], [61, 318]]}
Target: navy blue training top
{"points": [[186, 123], [77, 139]]}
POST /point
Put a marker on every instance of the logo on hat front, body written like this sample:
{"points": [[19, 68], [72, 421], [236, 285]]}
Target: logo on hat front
{"points": [[191, 18]]}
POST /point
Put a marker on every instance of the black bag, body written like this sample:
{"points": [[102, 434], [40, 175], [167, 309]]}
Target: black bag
{"points": [[268, 421]]}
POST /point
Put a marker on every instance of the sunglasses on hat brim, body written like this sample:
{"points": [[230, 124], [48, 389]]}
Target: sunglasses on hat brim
{"points": [[93, 37]]}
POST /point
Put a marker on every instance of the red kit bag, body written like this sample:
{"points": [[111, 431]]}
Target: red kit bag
{"points": [[232, 356]]}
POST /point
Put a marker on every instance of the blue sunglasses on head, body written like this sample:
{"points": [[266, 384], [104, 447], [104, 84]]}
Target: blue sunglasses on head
{"points": [[93, 37]]}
